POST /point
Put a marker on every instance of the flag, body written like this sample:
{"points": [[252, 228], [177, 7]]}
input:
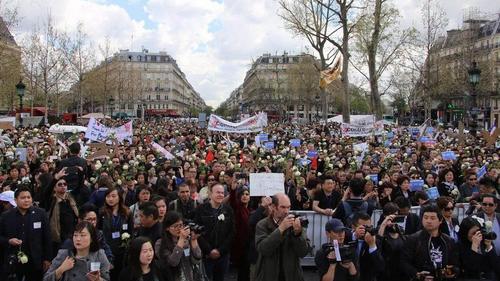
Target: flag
{"points": [[493, 127], [423, 127], [210, 157], [329, 75], [481, 172]]}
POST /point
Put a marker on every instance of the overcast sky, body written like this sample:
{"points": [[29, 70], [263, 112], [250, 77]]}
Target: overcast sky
{"points": [[213, 41]]}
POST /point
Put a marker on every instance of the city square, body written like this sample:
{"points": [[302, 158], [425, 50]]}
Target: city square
{"points": [[245, 140]]}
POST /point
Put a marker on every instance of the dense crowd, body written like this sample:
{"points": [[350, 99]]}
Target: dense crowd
{"points": [[76, 210]]}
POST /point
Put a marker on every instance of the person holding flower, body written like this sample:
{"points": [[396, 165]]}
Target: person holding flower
{"points": [[25, 232], [116, 223], [84, 262]]}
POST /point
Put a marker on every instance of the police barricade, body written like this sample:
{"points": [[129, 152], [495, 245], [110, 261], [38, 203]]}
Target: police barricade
{"points": [[316, 229]]}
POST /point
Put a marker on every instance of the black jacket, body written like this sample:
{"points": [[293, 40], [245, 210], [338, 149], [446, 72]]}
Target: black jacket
{"points": [[75, 177], [160, 272], [38, 236], [475, 265], [219, 228], [413, 224], [113, 230], [369, 265], [444, 226], [416, 258]]}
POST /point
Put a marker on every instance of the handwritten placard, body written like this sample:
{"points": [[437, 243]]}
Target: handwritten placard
{"points": [[266, 184]]}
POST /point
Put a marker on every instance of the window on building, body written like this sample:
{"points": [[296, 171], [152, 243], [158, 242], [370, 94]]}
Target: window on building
{"points": [[157, 97], [139, 58], [149, 97], [153, 58], [295, 59], [166, 97]]}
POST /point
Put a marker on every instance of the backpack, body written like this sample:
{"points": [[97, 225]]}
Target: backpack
{"points": [[350, 211]]}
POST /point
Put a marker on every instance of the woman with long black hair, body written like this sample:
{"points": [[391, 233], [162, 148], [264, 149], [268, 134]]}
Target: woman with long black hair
{"points": [[141, 265], [117, 225], [179, 249]]}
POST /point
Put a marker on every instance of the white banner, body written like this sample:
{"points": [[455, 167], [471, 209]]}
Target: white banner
{"points": [[350, 130], [266, 184], [162, 150], [99, 132], [253, 124]]}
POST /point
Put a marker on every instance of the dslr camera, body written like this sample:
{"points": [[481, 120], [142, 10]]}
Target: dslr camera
{"points": [[370, 229], [196, 228], [304, 222], [488, 234], [347, 252]]}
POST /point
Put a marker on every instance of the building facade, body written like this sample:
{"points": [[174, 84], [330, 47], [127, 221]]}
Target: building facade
{"points": [[453, 98], [10, 70], [143, 84], [284, 86]]}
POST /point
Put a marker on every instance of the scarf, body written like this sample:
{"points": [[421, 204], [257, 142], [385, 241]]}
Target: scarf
{"points": [[55, 219]]}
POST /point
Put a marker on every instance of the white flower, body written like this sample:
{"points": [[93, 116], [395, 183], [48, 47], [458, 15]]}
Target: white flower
{"points": [[93, 180], [319, 174], [327, 159], [222, 173], [455, 192], [203, 161], [22, 257], [35, 130], [294, 168], [221, 217], [25, 180], [125, 167], [98, 165], [297, 174], [488, 225], [110, 162], [119, 182], [125, 236], [330, 166], [42, 152], [174, 177]]}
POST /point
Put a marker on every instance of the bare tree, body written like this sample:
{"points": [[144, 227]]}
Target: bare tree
{"points": [[379, 43]]}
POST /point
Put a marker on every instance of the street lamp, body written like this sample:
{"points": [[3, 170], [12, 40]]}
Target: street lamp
{"points": [[474, 77], [317, 107], [111, 103], [20, 92]]}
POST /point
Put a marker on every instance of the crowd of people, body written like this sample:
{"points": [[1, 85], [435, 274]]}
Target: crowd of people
{"points": [[77, 210]]}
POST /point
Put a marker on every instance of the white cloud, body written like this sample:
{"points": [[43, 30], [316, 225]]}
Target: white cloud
{"points": [[214, 42]]}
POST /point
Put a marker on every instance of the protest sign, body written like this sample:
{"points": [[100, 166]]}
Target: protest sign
{"points": [[481, 172], [312, 154], [22, 153], [416, 185], [101, 133], [304, 162], [295, 142], [250, 125], [263, 137], [350, 130], [448, 155], [374, 178], [360, 147], [266, 184], [433, 193], [162, 150], [269, 145]]}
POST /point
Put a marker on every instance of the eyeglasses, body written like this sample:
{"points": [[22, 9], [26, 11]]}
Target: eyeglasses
{"points": [[488, 204], [62, 184]]}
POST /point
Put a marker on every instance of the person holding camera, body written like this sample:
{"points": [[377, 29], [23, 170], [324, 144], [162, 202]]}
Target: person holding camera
{"points": [[489, 204], [329, 268], [215, 241], [76, 168], [428, 254], [392, 238], [178, 248], [281, 242], [369, 260], [478, 259]]}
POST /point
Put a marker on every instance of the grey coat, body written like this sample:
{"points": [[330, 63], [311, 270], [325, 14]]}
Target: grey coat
{"points": [[81, 268], [269, 242]]}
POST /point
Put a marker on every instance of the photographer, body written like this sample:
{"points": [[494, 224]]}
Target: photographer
{"points": [[76, 168], [280, 242], [392, 239], [328, 267], [369, 260], [428, 253], [477, 256], [488, 206]]}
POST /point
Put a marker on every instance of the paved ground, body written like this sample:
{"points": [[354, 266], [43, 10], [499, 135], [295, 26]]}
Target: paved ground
{"points": [[310, 274]]}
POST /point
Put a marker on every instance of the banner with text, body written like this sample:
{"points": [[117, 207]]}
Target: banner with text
{"points": [[350, 130], [250, 125], [99, 132]]}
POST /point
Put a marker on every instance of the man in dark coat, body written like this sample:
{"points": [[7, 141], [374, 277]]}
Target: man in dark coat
{"points": [[76, 169], [429, 252], [26, 228], [281, 242]]}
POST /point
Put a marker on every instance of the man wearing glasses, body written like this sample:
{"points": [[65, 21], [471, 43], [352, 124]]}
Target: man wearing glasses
{"points": [[469, 190], [488, 206]]}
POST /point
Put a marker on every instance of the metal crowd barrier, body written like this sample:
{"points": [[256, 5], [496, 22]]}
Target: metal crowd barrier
{"points": [[316, 229]]}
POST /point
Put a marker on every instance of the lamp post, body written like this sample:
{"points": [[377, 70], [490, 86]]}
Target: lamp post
{"points": [[111, 103], [317, 98], [474, 77], [20, 92]]}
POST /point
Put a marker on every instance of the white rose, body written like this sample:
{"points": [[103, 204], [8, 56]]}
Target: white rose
{"points": [[92, 180], [125, 167], [119, 182], [297, 174], [203, 161], [222, 173], [22, 258], [42, 152], [110, 163], [98, 165], [125, 236], [488, 225], [221, 217]]}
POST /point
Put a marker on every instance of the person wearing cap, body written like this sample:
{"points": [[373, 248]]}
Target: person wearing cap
{"points": [[7, 201], [328, 267]]}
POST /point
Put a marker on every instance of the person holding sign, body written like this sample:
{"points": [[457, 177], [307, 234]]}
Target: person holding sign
{"points": [[281, 242]]}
